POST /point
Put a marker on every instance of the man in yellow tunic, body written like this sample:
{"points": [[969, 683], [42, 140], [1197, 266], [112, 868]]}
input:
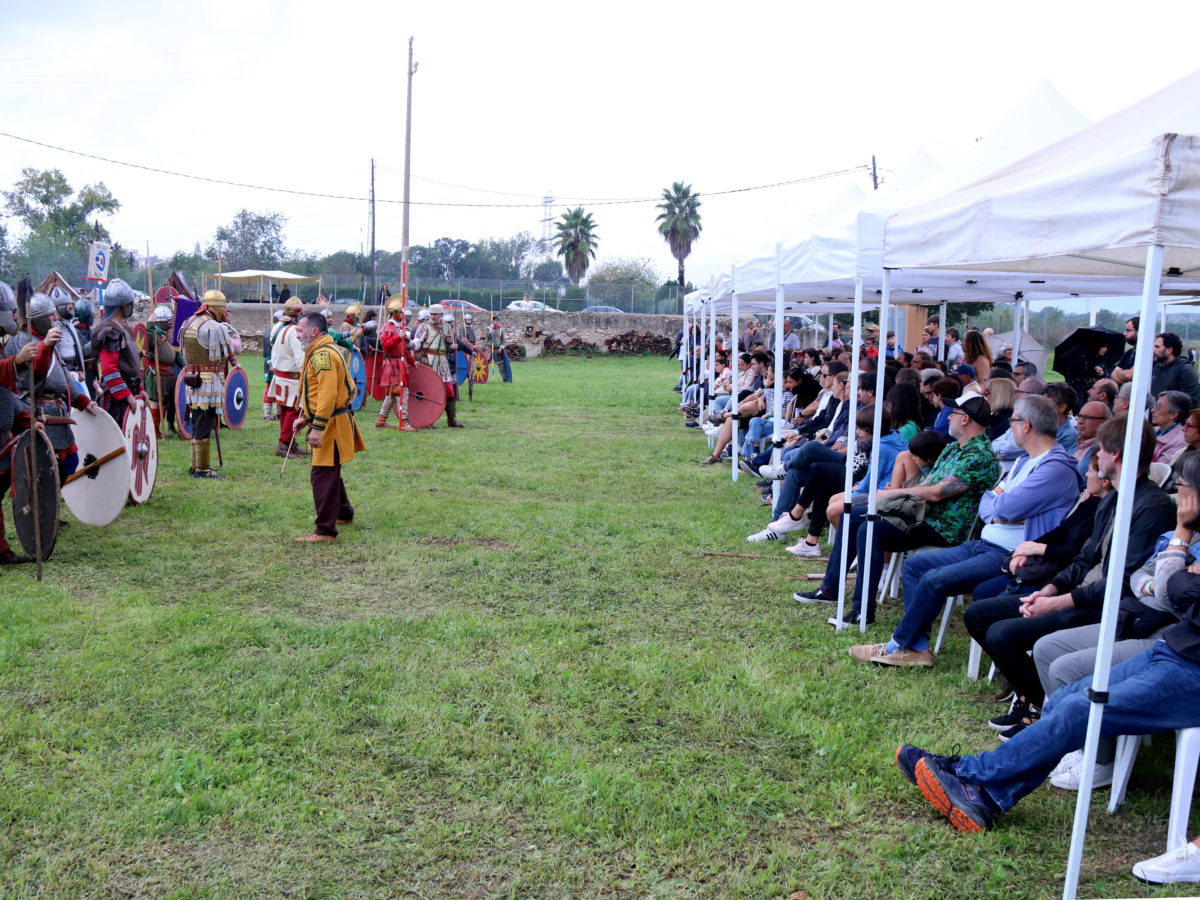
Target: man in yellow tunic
{"points": [[326, 392]]}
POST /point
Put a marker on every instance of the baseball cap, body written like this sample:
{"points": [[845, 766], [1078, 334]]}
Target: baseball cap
{"points": [[964, 369], [974, 406]]}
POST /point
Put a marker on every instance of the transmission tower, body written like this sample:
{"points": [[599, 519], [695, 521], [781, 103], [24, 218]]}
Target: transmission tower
{"points": [[547, 222]]}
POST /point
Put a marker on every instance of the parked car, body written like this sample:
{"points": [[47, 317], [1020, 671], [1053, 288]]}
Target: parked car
{"points": [[603, 309], [463, 305], [530, 306]]}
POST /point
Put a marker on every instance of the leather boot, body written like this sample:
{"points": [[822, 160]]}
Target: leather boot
{"points": [[381, 422], [451, 410]]}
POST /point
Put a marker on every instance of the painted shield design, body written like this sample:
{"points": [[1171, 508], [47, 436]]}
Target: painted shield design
{"points": [[97, 490], [33, 458], [479, 368], [165, 296], [183, 422], [375, 386], [426, 396], [237, 397], [462, 369], [358, 374], [141, 446]]}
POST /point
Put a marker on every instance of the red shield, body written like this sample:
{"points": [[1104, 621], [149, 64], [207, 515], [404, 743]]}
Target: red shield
{"points": [[426, 396]]}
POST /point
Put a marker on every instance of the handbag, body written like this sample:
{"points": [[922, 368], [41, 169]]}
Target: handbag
{"points": [[904, 512]]}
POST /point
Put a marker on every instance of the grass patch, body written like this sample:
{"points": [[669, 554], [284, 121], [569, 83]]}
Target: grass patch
{"points": [[504, 680]]}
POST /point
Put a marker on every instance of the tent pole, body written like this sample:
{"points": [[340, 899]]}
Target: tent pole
{"points": [[709, 366], [865, 575], [1134, 424], [735, 435], [831, 331], [941, 331], [777, 412], [848, 484], [1018, 330], [1091, 312]]}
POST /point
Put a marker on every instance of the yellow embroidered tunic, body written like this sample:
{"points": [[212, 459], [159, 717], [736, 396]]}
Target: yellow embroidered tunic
{"points": [[325, 395]]}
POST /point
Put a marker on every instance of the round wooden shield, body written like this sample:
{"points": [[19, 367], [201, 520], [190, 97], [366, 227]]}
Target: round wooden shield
{"points": [[237, 397], [97, 490], [165, 296], [358, 374], [183, 422], [426, 396], [33, 459], [375, 386], [479, 368], [142, 338], [462, 369], [141, 447]]}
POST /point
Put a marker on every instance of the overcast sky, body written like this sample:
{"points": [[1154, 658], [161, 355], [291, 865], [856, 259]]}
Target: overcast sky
{"points": [[594, 101]]}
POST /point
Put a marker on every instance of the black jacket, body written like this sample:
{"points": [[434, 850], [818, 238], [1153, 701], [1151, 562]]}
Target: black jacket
{"points": [[1153, 513], [1184, 638], [1177, 375]]}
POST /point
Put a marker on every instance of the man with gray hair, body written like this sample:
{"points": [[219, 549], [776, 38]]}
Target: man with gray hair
{"points": [[1032, 500], [1023, 370], [1093, 414], [1105, 390]]}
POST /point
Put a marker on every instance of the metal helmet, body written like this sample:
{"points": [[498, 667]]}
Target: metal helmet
{"points": [[63, 300], [85, 312], [395, 306], [41, 313], [352, 312], [8, 309], [423, 316], [436, 309], [327, 313], [213, 298], [449, 318], [293, 307], [162, 313], [118, 295], [467, 318]]}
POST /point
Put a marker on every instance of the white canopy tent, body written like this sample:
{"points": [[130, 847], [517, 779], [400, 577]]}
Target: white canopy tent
{"points": [[1120, 199]]}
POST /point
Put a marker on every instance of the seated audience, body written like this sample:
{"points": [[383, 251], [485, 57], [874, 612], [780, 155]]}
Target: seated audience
{"points": [[1168, 415], [1065, 399], [1001, 395], [1091, 416]]}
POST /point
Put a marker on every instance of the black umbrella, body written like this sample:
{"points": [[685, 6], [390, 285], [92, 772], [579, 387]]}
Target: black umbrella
{"points": [[1080, 351]]}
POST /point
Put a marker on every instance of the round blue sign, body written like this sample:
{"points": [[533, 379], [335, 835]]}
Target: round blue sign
{"points": [[101, 260]]}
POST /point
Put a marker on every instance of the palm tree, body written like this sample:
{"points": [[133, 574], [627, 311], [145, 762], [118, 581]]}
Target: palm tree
{"points": [[679, 222], [576, 242]]}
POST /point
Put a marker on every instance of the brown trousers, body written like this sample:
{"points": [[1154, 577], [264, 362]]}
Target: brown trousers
{"points": [[329, 496]]}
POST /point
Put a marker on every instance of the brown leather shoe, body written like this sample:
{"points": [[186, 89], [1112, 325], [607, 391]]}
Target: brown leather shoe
{"points": [[8, 558], [457, 425], [315, 538], [407, 427]]}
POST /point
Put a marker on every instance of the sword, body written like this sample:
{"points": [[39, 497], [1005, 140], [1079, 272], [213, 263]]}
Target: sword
{"points": [[217, 435]]}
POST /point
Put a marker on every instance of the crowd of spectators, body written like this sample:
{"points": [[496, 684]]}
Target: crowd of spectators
{"points": [[998, 485]]}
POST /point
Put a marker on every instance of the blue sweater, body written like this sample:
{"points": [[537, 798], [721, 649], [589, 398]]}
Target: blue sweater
{"points": [[1042, 500], [890, 446]]}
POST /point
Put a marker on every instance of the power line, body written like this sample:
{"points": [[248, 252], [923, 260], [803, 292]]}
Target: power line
{"points": [[299, 193]]}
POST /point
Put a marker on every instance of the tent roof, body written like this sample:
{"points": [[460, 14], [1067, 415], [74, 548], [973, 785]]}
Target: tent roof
{"points": [[53, 279], [249, 276], [1089, 204]]}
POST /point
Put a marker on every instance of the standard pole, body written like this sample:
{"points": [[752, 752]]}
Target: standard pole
{"points": [[941, 331], [407, 171], [1098, 693]]}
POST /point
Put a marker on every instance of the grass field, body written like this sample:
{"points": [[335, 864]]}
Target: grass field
{"points": [[506, 679]]}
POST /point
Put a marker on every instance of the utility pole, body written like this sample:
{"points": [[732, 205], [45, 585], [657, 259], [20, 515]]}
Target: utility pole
{"points": [[874, 173], [373, 295], [412, 69]]}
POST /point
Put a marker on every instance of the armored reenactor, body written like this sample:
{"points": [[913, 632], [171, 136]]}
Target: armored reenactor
{"points": [[270, 410], [9, 405], [120, 362], [495, 340], [71, 349], [161, 360], [432, 341], [326, 393], [286, 355], [85, 315], [55, 392], [209, 343], [393, 339]]}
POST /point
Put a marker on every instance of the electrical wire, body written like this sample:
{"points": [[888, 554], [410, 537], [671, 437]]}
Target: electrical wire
{"points": [[318, 194]]}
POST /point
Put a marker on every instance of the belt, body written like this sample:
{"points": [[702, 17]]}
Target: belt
{"points": [[283, 374], [340, 411], [166, 371], [206, 368]]}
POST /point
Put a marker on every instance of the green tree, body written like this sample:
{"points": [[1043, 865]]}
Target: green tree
{"points": [[576, 242], [250, 241], [679, 222], [548, 271], [638, 272], [49, 208]]}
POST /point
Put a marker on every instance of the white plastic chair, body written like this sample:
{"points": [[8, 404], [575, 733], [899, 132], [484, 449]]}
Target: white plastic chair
{"points": [[1159, 473], [1187, 755]]}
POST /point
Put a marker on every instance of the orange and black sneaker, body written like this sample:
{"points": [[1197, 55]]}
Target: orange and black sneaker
{"points": [[964, 804]]}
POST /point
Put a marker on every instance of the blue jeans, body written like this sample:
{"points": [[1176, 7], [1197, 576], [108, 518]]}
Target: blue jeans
{"points": [[929, 578], [887, 538], [1151, 693], [797, 466], [758, 429]]}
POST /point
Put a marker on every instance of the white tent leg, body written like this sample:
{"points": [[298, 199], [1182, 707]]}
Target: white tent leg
{"points": [[777, 406], [941, 336], [1092, 302], [848, 484], [735, 445], [866, 579], [1120, 544]]}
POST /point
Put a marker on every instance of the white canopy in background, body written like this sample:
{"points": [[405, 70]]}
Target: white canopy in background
{"points": [[1090, 204], [250, 276]]}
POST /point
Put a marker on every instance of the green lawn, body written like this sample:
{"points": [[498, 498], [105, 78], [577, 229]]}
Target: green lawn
{"points": [[506, 679]]}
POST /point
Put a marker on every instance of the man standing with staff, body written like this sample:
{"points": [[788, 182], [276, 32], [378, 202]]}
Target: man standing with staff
{"points": [[326, 393], [286, 354], [161, 360], [432, 341], [209, 343]]}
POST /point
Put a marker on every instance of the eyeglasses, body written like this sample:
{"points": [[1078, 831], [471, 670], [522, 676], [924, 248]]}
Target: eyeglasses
{"points": [[1015, 419], [1091, 418]]}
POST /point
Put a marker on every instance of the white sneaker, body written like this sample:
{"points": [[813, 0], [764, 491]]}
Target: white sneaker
{"points": [[804, 548], [765, 535], [1068, 779], [772, 473], [1179, 865], [709, 430], [1071, 760], [786, 523]]}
